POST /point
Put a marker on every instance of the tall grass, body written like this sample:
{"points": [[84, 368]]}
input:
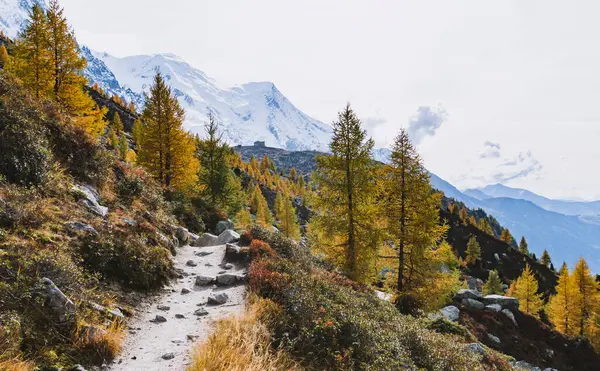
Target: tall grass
{"points": [[15, 365], [241, 343], [103, 346]]}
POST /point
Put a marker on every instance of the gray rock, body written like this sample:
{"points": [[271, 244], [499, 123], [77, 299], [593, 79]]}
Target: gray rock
{"points": [[185, 291], [163, 307], [472, 304], [223, 225], [228, 266], [204, 253], [116, 312], [159, 319], [58, 302], [131, 222], [493, 339], [203, 280], [504, 301], [168, 243], [228, 279], [473, 284], [468, 294], [232, 251], [191, 263], [168, 356], [218, 298], [476, 348], [451, 313], [193, 237], [228, 236], [182, 235], [206, 239], [179, 316], [510, 316], [524, 366], [497, 257], [201, 312], [90, 199], [79, 226], [493, 308]]}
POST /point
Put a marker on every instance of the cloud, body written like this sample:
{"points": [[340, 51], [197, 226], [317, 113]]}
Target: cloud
{"points": [[491, 149], [524, 165], [372, 123], [427, 121]]}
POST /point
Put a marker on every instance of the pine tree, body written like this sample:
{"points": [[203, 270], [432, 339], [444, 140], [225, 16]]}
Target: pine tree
{"points": [[293, 174], [545, 259], [215, 176], [123, 147], [32, 62], [3, 56], [506, 236], [473, 250], [485, 226], [265, 164], [259, 206], [301, 182], [243, 219], [587, 298], [561, 306], [113, 140], [493, 284], [472, 220], [523, 246], [344, 204], [286, 214], [526, 290], [167, 150], [463, 215], [117, 124], [136, 132]]}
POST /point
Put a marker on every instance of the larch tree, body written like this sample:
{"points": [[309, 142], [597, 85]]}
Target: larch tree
{"points": [[473, 251], [113, 140], [259, 206], [344, 204], [561, 307], [136, 132], [493, 284], [506, 236], [586, 300], [523, 246], [463, 215], [293, 174], [167, 150], [117, 124], [545, 259], [123, 147], [286, 214], [484, 225], [526, 290], [412, 212], [3, 56]]}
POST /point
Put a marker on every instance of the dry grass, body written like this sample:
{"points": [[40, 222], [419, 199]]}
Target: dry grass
{"points": [[15, 365], [241, 343], [102, 346]]}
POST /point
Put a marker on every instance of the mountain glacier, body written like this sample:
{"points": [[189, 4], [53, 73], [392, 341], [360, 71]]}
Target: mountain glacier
{"points": [[14, 15]]}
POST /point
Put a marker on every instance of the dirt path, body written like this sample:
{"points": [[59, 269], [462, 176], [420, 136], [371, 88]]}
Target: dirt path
{"points": [[149, 345]]}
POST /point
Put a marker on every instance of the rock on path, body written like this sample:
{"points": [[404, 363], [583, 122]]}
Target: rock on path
{"points": [[151, 346]]}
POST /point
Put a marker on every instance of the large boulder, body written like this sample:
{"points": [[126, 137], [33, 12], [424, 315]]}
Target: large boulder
{"points": [[493, 308], [468, 294], [451, 313], [229, 279], [223, 225], [228, 236], [204, 280], [510, 316], [206, 239], [182, 235], [233, 252], [472, 304], [90, 197], [54, 299], [506, 302], [218, 298]]}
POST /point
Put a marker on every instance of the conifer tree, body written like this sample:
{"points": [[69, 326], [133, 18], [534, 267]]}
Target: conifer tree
{"points": [[485, 226], [293, 174], [123, 147], [586, 300], [493, 284], [266, 164], [167, 150], [526, 290], [215, 176], [117, 124], [345, 202], [463, 215], [3, 56], [259, 206], [506, 236], [301, 182], [243, 219], [136, 132], [523, 246], [473, 250], [286, 214], [131, 156], [561, 307], [472, 220], [113, 140], [545, 259]]}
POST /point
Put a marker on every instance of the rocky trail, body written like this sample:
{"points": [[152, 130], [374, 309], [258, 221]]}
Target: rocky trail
{"points": [[165, 330]]}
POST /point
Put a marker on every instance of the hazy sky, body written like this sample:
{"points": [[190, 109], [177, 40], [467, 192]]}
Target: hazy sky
{"points": [[502, 91]]}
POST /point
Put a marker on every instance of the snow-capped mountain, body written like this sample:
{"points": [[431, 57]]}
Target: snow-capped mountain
{"points": [[14, 15], [255, 111]]}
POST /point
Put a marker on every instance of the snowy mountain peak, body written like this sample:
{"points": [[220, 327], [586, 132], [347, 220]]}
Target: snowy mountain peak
{"points": [[14, 14]]}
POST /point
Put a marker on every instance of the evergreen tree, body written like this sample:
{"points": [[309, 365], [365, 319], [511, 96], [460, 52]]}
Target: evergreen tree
{"points": [[117, 124], [123, 147], [113, 140], [473, 250], [545, 259], [137, 132], [266, 164], [506, 236], [243, 219], [344, 204], [293, 174], [259, 206], [167, 150], [215, 176], [523, 246], [301, 182], [561, 306], [493, 284], [3, 56], [412, 211], [484, 225], [463, 215], [472, 220], [131, 156], [586, 299], [526, 290], [286, 214]]}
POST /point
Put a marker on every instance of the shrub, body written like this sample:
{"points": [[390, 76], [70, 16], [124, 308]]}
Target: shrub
{"points": [[130, 185], [260, 248], [285, 247], [102, 346]]}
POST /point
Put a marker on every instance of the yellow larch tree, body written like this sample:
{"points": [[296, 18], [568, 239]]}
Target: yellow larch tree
{"points": [[526, 290]]}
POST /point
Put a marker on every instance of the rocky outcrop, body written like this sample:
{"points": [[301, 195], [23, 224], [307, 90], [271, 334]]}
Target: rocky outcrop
{"points": [[451, 313], [90, 197], [218, 298], [224, 225], [206, 239], [182, 235], [228, 236], [504, 301], [468, 294], [204, 280], [81, 227], [59, 303]]}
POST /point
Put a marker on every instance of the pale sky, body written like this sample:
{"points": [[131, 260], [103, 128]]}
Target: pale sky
{"points": [[498, 91]]}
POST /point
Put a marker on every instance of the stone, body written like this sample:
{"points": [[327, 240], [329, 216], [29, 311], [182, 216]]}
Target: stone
{"points": [[116, 312], [468, 294], [227, 279], [182, 235], [228, 236], [179, 316], [206, 239], [383, 295], [218, 298], [476, 348], [472, 283], [79, 226], [58, 302], [191, 263], [163, 307], [203, 280], [223, 225], [451, 313], [472, 304], [203, 253], [524, 366], [493, 308], [90, 199], [228, 266], [185, 291], [130, 222], [497, 257], [193, 237], [168, 243], [159, 319], [505, 302], [493, 339], [510, 316], [201, 312], [233, 252], [168, 356]]}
